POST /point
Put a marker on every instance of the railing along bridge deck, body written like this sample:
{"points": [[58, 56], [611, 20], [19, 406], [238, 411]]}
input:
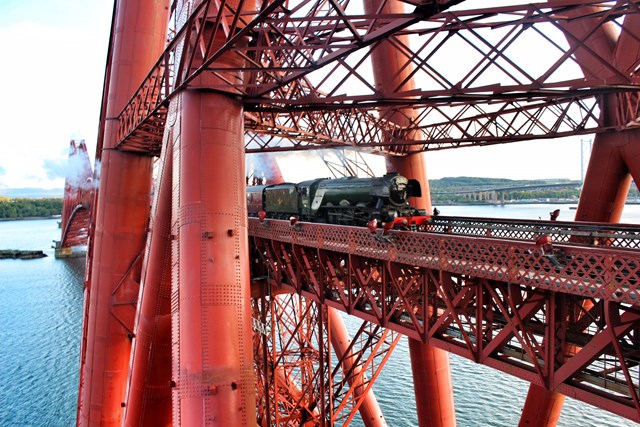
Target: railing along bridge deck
{"points": [[553, 303]]}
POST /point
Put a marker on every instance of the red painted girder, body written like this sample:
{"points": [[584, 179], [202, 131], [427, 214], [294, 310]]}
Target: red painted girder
{"points": [[356, 369], [299, 378], [598, 272], [288, 47], [290, 351], [309, 30], [514, 328], [76, 231], [568, 232], [460, 124]]}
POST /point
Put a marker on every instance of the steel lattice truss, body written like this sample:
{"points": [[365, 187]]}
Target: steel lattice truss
{"points": [[536, 320], [478, 76], [299, 379]]}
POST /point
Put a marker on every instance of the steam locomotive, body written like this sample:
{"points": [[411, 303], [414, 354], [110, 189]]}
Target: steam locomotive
{"points": [[344, 201]]}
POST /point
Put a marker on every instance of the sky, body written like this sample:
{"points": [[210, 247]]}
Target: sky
{"points": [[53, 60], [54, 55]]}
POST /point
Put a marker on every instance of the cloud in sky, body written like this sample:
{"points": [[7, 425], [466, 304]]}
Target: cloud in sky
{"points": [[55, 168], [52, 90]]}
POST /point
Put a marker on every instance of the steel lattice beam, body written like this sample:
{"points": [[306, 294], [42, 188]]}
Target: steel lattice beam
{"points": [[605, 273], [306, 74], [478, 308], [299, 379]]}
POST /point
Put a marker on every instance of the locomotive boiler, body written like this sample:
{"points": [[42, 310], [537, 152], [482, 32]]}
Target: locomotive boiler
{"points": [[345, 201]]}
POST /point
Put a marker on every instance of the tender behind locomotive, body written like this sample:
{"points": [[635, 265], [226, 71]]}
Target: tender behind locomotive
{"points": [[346, 201]]}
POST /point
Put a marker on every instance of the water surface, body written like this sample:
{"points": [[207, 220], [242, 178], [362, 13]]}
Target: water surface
{"points": [[41, 318]]}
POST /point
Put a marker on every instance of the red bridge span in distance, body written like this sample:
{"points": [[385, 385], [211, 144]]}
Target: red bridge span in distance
{"points": [[196, 315]]}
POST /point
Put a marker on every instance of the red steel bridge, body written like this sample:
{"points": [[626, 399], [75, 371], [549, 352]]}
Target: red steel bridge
{"points": [[196, 315], [76, 209]]}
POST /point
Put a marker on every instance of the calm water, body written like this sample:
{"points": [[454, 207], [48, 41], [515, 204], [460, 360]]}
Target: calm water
{"points": [[40, 318], [41, 322]]}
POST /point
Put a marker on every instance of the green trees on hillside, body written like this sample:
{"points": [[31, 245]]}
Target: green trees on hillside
{"points": [[455, 190], [25, 208]]}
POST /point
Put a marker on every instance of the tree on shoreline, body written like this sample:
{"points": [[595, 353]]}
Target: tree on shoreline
{"points": [[27, 208]]}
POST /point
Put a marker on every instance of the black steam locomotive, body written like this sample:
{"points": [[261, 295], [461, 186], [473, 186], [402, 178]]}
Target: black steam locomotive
{"points": [[345, 201]]}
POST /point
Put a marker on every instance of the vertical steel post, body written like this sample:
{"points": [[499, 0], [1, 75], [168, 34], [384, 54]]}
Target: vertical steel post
{"points": [[121, 213], [615, 159], [212, 336], [430, 365]]}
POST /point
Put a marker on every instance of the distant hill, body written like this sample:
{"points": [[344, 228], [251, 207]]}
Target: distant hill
{"points": [[475, 183], [31, 193], [468, 190]]}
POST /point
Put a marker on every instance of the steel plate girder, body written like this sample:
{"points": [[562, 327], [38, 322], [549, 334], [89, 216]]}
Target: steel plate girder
{"points": [[521, 330]]}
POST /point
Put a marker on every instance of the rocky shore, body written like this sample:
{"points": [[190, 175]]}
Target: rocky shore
{"points": [[18, 254]]}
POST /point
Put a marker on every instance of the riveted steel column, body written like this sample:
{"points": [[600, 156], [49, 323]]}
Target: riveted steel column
{"points": [[121, 219], [149, 393], [212, 337], [369, 409], [430, 366]]}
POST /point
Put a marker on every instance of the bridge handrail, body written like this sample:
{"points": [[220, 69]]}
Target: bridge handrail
{"points": [[607, 273], [568, 232]]}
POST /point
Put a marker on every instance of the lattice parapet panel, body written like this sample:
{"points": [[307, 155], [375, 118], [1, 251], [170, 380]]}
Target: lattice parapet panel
{"points": [[606, 273], [578, 233]]}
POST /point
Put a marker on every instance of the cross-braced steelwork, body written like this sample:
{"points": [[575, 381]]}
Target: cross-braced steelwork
{"points": [[554, 303], [302, 378], [307, 74], [509, 307]]}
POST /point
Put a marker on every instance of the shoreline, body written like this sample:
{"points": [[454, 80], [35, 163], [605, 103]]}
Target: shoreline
{"points": [[29, 218], [550, 202]]}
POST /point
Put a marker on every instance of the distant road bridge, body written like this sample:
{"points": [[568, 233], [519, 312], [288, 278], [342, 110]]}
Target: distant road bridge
{"points": [[499, 194]]}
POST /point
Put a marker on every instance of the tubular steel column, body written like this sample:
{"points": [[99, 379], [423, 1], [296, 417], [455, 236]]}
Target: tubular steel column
{"points": [[121, 214], [212, 336], [615, 158], [430, 365], [369, 409], [149, 393]]}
